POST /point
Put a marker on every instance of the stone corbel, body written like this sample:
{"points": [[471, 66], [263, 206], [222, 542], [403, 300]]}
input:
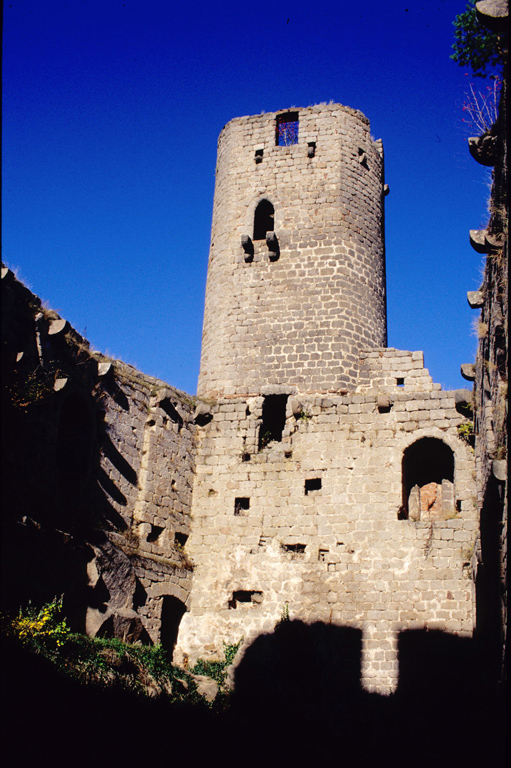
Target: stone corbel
{"points": [[273, 246], [248, 247], [483, 149]]}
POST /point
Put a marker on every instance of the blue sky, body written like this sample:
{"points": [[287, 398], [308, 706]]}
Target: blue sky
{"points": [[111, 114]]}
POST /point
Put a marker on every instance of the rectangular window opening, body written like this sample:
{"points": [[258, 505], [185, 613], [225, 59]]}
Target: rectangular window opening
{"points": [[400, 382], [180, 538], [273, 421], [254, 597], [287, 129], [313, 484], [297, 551], [154, 533], [241, 505]]}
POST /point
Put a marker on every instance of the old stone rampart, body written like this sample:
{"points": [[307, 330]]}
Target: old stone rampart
{"points": [[490, 377], [97, 478]]}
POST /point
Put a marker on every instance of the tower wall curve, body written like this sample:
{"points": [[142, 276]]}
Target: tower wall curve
{"points": [[294, 308]]}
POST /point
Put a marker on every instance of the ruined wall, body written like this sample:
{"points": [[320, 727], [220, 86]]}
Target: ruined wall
{"points": [[320, 519], [490, 399], [97, 476], [296, 306]]}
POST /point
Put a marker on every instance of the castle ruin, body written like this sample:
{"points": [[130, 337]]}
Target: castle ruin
{"points": [[318, 473]]}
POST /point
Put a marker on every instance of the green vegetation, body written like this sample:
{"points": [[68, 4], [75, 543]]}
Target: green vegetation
{"points": [[466, 432], [37, 387], [110, 663], [475, 46], [284, 617], [217, 670]]}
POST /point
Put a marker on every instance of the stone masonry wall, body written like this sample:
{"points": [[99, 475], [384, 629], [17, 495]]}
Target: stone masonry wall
{"points": [[490, 397], [298, 308], [147, 473], [316, 521], [97, 475]]}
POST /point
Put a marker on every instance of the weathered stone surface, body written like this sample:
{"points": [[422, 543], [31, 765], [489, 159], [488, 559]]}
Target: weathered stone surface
{"points": [[330, 242], [494, 14], [478, 240], [207, 687], [468, 371], [475, 299], [499, 467], [483, 149], [57, 326]]}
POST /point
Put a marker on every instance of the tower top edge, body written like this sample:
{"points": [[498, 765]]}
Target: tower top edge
{"points": [[314, 109]]}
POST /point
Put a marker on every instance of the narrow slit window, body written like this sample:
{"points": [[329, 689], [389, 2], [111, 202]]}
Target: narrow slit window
{"points": [[264, 219], [287, 129]]}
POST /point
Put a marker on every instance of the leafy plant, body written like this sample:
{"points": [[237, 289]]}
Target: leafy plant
{"points": [[44, 629], [466, 431], [38, 386], [216, 669], [284, 617], [475, 46]]}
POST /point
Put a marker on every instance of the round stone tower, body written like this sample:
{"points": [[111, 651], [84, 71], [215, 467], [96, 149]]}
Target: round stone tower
{"points": [[296, 278]]}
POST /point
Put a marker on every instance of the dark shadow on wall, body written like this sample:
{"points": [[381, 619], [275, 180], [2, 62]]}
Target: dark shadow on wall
{"points": [[298, 701], [300, 686]]}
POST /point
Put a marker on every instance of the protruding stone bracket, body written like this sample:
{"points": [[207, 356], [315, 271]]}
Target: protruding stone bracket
{"points": [[475, 299], [202, 414], [273, 246], [478, 240], [468, 371], [499, 469], [60, 384], [384, 403], [483, 149], [103, 368], [248, 247], [362, 158], [493, 14], [57, 326], [386, 190]]}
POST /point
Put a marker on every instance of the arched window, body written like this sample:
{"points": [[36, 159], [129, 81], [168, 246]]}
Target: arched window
{"points": [[263, 219], [428, 481]]}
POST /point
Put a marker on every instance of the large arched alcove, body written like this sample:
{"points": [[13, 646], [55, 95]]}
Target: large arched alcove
{"points": [[428, 480]]}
